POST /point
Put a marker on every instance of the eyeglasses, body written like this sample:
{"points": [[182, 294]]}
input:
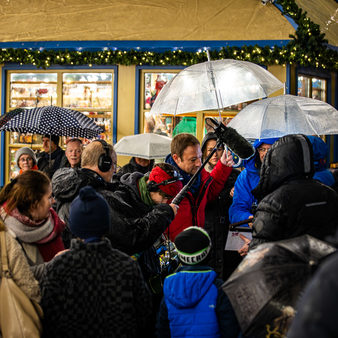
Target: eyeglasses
{"points": [[27, 159], [263, 150]]}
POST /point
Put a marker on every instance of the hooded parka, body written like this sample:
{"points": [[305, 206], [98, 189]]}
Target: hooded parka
{"points": [[291, 202]]}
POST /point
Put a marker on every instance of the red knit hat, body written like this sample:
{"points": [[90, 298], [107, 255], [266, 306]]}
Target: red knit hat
{"points": [[171, 183]]}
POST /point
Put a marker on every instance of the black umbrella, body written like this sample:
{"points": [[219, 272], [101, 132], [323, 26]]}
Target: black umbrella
{"points": [[51, 120], [266, 285], [8, 116]]}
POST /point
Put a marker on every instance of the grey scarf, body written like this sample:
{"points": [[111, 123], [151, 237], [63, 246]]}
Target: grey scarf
{"points": [[27, 234]]}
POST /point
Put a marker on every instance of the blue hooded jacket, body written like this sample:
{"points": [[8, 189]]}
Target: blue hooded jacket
{"points": [[320, 150], [191, 297], [246, 181]]}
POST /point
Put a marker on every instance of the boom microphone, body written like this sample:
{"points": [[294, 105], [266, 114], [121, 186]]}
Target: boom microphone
{"points": [[236, 142]]}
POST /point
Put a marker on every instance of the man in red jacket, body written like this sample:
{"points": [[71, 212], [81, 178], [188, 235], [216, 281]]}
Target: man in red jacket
{"points": [[186, 155]]}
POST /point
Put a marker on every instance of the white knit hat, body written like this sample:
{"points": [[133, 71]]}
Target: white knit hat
{"points": [[22, 151]]}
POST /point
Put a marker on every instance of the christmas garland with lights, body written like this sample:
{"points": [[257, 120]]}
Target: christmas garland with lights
{"points": [[308, 47]]}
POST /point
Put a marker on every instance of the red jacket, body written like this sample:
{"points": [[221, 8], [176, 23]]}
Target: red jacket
{"points": [[191, 209]]}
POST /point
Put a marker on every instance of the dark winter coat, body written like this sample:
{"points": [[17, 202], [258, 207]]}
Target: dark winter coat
{"points": [[291, 203], [94, 290], [190, 295], [66, 184], [317, 310], [217, 225], [132, 166], [135, 225], [58, 160]]}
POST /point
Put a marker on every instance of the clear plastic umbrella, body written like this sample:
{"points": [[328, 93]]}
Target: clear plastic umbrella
{"points": [[214, 85], [148, 146], [286, 114]]}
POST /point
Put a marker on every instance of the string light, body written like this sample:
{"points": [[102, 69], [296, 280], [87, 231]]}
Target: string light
{"points": [[298, 51]]}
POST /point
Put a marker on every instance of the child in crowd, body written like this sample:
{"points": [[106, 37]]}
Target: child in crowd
{"points": [[194, 303]]}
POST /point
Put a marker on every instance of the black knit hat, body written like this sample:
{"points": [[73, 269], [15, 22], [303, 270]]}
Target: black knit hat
{"points": [[193, 245], [89, 214]]}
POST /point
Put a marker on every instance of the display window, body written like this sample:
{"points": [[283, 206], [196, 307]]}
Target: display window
{"points": [[313, 87], [90, 92], [152, 81]]}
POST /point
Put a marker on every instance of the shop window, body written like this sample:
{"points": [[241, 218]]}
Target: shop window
{"points": [[88, 92], [152, 81], [32, 89], [313, 87]]}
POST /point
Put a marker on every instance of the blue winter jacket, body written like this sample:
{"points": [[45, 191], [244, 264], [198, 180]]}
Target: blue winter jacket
{"points": [[246, 181], [195, 306], [320, 150]]}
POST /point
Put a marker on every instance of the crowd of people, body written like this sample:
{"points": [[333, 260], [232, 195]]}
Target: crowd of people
{"points": [[83, 240]]}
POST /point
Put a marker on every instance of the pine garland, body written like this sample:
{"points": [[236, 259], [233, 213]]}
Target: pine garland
{"points": [[308, 47]]}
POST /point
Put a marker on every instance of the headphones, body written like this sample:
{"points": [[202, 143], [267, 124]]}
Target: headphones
{"points": [[153, 186], [105, 161]]}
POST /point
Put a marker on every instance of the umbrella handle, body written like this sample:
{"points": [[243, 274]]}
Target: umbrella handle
{"points": [[246, 221]]}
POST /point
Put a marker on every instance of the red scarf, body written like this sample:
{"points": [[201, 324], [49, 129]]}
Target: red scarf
{"points": [[52, 244], [35, 167]]}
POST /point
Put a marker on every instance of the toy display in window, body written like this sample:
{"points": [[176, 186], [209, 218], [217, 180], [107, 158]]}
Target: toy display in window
{"points": [[159, 84]]}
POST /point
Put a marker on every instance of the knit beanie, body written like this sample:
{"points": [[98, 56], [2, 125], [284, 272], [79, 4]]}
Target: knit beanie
{"points": [[89, 214], [158, 175], [193, 245], [53, 138], [24, 151]]}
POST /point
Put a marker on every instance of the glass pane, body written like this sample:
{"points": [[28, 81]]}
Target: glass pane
{"points": [[169, 125], [208, 127], [153, 83], [87, 90], [103, 120], [185, 124], [158, 124], [13, 168], [32, 89], [87, 77], [303, 86], [238, 107], [319, 89], [20, 138]]}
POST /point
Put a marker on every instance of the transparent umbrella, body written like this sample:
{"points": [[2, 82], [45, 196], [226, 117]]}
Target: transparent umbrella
{"points": [[148, 146], [214, 85], [286, 114]]}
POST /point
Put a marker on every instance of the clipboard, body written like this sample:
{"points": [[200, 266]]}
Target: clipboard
{"points": [[234, 241]]}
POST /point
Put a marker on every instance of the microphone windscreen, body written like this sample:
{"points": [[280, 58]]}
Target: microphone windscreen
{"points": [[237, 143]]}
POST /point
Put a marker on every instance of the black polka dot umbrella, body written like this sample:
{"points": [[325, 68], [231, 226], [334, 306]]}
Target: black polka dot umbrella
{"points": [[51, 120]]}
